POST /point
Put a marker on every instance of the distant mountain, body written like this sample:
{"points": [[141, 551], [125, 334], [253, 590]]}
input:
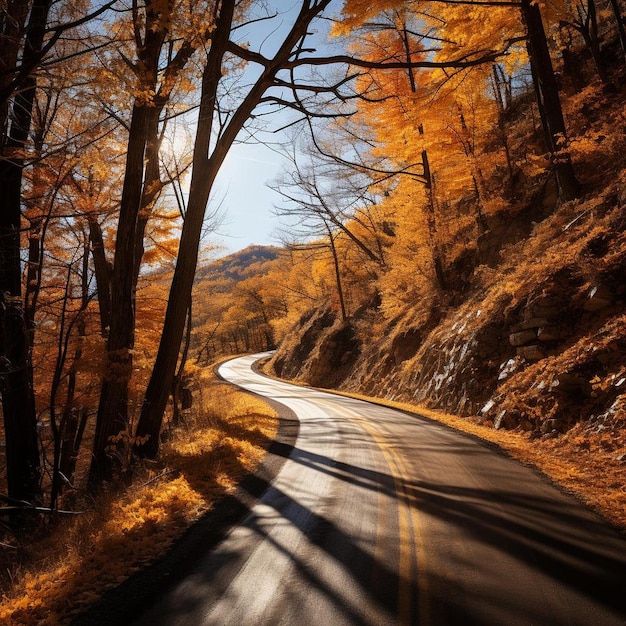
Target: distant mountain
{"points": [[239, 265]]}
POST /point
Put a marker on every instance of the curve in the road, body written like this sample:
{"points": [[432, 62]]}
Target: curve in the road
{"points": [[381, 517]]}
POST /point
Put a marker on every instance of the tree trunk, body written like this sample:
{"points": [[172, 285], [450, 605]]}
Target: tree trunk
{"points": [[333, 250], [18, 404], [430, 220], [548, 101], [496, 82], [12, 29], [72, 427], [137, 194], [33, 276], [103, 271], [114, 395], [203, 176], [56, 426], [178, 388], [587, 26], [18, 401], [620, 25], [160, 384]]}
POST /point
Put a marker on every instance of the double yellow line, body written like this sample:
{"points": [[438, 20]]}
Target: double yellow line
{"points": [[412, 553]]}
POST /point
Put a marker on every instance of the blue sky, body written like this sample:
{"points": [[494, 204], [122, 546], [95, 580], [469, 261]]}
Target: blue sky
{"points": [[242, 183], [246, 200]]}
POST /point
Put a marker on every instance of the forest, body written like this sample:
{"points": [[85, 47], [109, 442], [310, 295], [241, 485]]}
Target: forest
{"points": [[452, 207]]}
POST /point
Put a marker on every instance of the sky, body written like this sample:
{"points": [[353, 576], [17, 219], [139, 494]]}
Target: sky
{"points": [[245, 199], [241, 186]]}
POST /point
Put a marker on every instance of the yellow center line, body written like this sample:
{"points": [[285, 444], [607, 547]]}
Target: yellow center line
{"points": [[419, 551], [412, 553]]}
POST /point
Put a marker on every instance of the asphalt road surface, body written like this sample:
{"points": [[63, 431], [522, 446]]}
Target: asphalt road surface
{"points": [[381, 517]]}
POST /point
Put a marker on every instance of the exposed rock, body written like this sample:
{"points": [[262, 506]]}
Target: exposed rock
{"points": [[550, 425], [289, 360], [505, 420], [405, 345], [526, 424], [599, 298], [522, 337], [551, 435], [490, 404], [548, 333], [571, 385], [543, 307], [533, 322], [531, 352], [507, 368], [335, 354]]}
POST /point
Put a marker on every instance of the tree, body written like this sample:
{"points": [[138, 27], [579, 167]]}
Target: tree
{"points": [[161, 56], [549, 102], [584, 17], [619, 20], [29, 32], [457, 40], [22, 37], [326, 199]]}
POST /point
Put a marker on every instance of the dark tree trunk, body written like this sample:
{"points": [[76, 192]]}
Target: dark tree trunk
{"points": [[33, 275], [497, 83], [12, 31], [179, 387], [75, 421], [619, 19], [430, 221], [587, 26], [73, 426], [137, 195], [57, 426], [103, 271], [333, 251], [18, 402], [204, 172], [549, 102], [114, 395]]}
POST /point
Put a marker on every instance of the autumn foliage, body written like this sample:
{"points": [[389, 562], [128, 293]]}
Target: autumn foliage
{"points": [[501, 297], [454, 158]]}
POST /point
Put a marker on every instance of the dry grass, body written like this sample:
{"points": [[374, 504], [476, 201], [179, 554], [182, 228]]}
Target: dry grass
{"points": [[70, 568]]}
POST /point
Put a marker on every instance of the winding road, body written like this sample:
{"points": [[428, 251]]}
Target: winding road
{"points": [[381, 517]]}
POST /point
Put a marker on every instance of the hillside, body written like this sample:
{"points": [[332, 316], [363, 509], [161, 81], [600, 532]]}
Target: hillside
{"points": [[236, 266], [537, 343], [529, 332], [229, 316]]}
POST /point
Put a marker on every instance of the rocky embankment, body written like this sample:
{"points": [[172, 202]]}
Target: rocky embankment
{"points": [[538, 343]]}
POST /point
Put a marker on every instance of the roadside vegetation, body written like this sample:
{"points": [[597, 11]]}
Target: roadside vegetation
{"points": [[52, 577]]}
